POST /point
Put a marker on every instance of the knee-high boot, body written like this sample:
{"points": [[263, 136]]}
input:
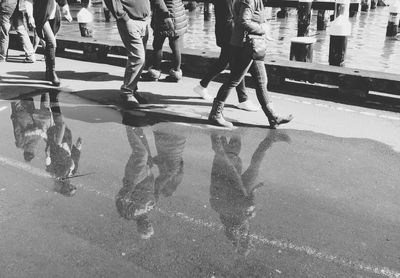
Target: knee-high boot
{"points": [[216, 117], [50, 57], [273, 119]]}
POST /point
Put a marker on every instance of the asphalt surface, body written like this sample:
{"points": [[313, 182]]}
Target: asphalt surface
{"points": [[315, 198]]}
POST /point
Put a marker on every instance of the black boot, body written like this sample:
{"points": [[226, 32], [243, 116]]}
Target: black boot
{"points": [[273, 119], [50, 57], [216, 117], [51, 76]]}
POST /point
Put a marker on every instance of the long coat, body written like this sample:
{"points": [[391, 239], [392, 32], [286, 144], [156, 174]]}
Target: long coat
{"points": [[178, 15], [223, 21], [41, 13]]}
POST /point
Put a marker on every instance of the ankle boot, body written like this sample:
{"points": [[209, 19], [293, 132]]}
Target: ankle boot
{"points": [[51, 76], [216, 117], [50, 58], [273, 119]]}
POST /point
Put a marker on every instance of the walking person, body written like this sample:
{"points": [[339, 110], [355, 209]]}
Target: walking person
{"points": [[132, 22], [12, 14], [175, 39], [223, 33], [47, 17], [249, 18]]}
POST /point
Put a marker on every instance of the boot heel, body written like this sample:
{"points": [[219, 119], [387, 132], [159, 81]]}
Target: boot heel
{"points": [[216, 117], [53, 78]]}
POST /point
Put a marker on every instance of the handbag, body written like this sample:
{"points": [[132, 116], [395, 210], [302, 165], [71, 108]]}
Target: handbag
{"points": [[255, 46]]}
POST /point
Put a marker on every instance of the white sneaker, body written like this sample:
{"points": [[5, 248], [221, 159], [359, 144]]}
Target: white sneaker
{"points": [[248, 105], [203, 92]]}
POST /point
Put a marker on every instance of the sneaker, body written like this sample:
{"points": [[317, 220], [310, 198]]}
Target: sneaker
{"points": [[30, 59], [174, 75], [151, 75], [203, 92], [248, 105]]}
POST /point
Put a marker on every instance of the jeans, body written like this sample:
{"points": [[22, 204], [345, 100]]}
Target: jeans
{"points": [[10, 15], [134, 35], [218, 67], [240, 65]]}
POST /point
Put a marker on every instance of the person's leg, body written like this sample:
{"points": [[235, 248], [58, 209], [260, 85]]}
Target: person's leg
{"points": [[7, 8], [132, 33], [217, 67], [239, 67], [154, 72], [175, 43], [18, 22], [158, 43], [50, 54], [259, 74]]}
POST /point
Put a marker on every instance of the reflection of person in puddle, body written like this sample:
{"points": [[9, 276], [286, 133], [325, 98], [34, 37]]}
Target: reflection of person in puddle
{"points": [[169, 161], [232, 192], [136, 198], [62, 157], [141, 190], [30, 124]]}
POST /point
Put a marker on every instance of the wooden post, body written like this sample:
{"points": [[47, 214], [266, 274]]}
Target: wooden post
{"points": [[340, 29], [394, 17], [207, 14], [303, 17], [322, 20], [301, 49], [364, 5], [283, 13], [373, 4], [354, 7]]}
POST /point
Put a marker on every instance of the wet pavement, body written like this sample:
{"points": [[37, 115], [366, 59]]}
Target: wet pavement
{"points": [[368, 48], [159, 193]]}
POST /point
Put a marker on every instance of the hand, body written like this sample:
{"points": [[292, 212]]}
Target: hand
{"points": [[168, 24]]}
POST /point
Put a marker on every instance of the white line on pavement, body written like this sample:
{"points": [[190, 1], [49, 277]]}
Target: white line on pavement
{"points": [[283, 244], [3, 108]]}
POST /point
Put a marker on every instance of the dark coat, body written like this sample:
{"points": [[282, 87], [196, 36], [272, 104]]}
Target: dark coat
{"points": [[41, 13], [178, 14], [223, 21]]}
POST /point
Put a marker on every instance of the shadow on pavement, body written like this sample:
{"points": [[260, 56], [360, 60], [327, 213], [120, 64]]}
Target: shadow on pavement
{"points": [[73, 75]]}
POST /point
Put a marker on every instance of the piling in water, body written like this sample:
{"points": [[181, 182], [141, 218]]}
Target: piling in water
{"points": [[303, 17], [340, 30]]}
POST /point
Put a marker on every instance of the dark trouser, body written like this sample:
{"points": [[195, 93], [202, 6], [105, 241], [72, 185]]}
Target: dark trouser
{"points": [[50, 49], [175, 43], [241, 64], [218, 67]]}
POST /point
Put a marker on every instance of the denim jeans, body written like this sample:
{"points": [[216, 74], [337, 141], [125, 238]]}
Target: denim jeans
{"points": [[10, 15], [134, 35], [240, 65], [218, 67]]}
